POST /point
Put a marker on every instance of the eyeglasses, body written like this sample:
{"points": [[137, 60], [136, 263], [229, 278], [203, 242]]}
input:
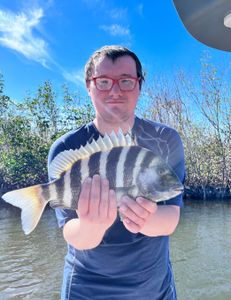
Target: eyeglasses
{"points": [[106, 83]]}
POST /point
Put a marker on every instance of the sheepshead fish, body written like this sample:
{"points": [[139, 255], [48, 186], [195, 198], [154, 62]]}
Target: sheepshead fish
{"points": [[130, 169]]}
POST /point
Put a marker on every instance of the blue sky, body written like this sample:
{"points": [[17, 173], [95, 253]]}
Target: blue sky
{"points": [[52, 39]]}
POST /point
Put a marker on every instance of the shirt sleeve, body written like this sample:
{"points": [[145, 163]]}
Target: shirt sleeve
{"points": [[64, 215]]}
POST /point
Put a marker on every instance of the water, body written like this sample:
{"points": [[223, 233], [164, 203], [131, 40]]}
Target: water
{"points": [[31, 266], [201, 252]]}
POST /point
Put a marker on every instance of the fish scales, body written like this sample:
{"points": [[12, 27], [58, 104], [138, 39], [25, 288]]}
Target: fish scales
{"points": [[53, 192], [112, 162], [120, 167], [45, 191], [148, 158], [138, 166], [103, 164], [129, 165], [67, 196], [60, 187], [94, 163], [75, 181], [56, 191], [84, 169]]}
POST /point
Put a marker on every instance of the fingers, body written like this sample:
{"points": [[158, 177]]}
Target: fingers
{"points": [[95, 194], [135, 213], [148, 205], [104, 198], [131, 226], [84, 197], [97, 204], [96, 201], [112, 208], [140, 208]]}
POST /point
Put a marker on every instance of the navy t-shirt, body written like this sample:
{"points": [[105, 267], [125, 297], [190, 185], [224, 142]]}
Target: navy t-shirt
{"points": [[125, 265]]}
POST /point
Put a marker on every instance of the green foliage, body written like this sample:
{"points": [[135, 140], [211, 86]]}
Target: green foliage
{"points": [[73, 113], [27, 131]]}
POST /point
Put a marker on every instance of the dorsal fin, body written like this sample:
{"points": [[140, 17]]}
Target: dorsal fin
{"points": [[64, 160]]}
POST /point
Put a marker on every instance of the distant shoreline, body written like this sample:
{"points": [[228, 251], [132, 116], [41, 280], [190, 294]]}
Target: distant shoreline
{"points": [[207, 193]]}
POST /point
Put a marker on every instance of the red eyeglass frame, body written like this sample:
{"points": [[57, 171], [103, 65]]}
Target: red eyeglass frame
{"points": [[137, 79]]}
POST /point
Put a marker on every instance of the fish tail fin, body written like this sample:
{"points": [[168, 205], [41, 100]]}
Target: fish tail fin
{"points": [[32, 204]]}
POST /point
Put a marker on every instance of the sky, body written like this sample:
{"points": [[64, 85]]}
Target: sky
{"points": [[52, 40]]}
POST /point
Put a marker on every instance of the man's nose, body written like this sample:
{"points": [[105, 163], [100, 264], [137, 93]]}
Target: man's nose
{"points": [[115, 90]]}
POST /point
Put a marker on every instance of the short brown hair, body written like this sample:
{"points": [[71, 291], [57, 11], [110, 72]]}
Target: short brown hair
{"points": [[112, 52]]}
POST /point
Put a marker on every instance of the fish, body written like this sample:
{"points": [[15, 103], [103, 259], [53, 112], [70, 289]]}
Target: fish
{"points": [[130, 169]]}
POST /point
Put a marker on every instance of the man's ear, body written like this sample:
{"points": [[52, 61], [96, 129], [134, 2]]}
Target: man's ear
{"points": [[88, 85]]}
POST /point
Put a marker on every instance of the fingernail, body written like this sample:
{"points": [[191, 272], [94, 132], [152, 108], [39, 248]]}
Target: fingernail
{"points": [[112, 192], [139, 200], [105, 181], [125, 198], [123, 208]]}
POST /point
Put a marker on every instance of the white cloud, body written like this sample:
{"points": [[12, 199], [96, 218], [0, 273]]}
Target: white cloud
{"points": [[118, 13], [116, 30], [76, 77], [16, 32]]}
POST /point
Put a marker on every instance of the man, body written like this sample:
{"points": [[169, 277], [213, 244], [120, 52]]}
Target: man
{"points": [[109, 258]]}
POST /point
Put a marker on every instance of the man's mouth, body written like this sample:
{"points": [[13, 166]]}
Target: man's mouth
{"points": [[115, 101]]}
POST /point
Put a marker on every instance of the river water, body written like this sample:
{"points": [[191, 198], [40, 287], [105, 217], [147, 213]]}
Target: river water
{"points": [[31, 266]]}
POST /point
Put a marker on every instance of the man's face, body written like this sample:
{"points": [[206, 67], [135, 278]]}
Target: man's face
{"points": [[114, 106]]}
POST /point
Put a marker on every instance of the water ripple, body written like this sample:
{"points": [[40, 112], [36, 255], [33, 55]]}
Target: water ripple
{"points": [[31, 266]]}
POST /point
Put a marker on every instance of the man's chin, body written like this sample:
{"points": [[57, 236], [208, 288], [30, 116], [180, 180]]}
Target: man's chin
{"points": [[116, 115]]}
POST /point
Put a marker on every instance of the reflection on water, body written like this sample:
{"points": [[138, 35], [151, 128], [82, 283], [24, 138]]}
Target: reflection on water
{"points": [[201, 252], [31, 266]]}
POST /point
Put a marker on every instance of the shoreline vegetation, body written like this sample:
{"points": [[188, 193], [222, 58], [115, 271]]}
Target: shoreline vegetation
{"points": [[198, 108]]}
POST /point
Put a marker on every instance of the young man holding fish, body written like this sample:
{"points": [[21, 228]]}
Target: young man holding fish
{"points": [[110, 258], [117, 189]]}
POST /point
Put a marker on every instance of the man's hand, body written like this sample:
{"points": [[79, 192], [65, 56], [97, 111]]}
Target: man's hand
{"points": [[136, 212], [97, 211], [144, 216], [97, 204]]}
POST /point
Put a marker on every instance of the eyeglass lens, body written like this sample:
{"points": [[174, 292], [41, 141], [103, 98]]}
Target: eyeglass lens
{"points": [[125, 84]]}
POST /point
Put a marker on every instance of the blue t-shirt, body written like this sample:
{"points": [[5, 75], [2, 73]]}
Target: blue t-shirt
{"points": [[124, 265]]}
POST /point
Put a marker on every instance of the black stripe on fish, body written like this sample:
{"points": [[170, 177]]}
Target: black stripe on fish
{"points": [[45, 191], [93, 164], [112, 161], [75, 181], [130, 164], [59, 187], [149, 156]]}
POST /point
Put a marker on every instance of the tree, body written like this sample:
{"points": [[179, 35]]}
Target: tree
{"points": [[28, 129], [43, 111], [201, 114]]}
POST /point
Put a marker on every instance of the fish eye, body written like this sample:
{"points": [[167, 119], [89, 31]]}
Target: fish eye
{"points": [[161, 171]]}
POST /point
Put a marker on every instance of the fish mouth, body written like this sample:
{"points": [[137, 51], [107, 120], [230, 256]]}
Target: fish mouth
{"points": [[178, 189]]}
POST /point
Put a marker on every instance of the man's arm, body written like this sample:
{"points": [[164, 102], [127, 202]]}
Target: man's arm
{"points": [[96, 211], [149, 218]]}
